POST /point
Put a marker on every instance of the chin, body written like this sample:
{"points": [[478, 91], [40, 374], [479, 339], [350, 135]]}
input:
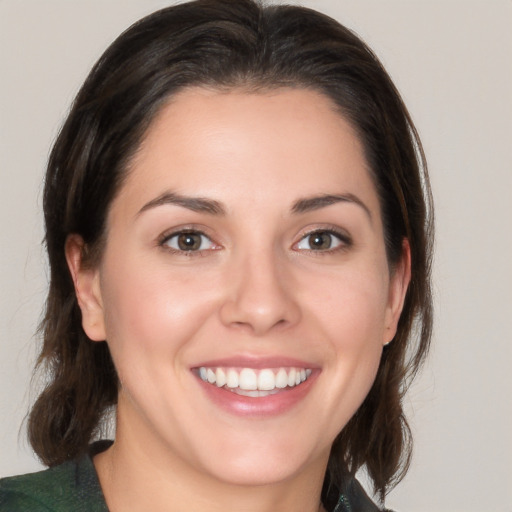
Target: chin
{"points": [[264, 462], [262, 472]]}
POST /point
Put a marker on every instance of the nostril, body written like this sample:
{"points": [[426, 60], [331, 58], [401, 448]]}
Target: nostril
{"points": [[281, 323], [258, 327]]}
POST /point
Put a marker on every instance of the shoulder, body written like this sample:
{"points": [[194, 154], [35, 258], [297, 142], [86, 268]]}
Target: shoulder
{"points": [[352, 497], [43, 491], [359, 500], [69, 486], [25, 492], [356, 498]]}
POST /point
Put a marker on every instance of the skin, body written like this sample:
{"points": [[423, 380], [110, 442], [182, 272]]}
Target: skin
{"points": [[255, 288]]}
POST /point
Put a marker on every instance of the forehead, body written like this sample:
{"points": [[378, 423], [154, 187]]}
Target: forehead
{"points": [[273, 145]]}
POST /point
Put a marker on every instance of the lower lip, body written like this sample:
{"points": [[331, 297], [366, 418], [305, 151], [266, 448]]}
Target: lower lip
{"points": [[270, 405]]}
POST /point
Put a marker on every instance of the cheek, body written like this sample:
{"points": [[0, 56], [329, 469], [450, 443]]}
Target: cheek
{"points": [[351, 306], [356, 330], [150, 313], [351, 318]]}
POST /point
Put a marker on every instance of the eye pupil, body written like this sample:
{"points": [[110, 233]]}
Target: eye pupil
{"points": [[189, 241], [320, 241]]}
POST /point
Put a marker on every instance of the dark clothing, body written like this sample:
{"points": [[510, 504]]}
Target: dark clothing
{"points": [[69, 487]]}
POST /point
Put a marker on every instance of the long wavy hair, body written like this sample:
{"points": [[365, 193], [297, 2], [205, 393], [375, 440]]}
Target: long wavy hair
{"points": [[225, 45]]}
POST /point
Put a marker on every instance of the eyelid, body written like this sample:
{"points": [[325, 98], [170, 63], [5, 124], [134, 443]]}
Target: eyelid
{"points": [[342, 235], [179, 230]]}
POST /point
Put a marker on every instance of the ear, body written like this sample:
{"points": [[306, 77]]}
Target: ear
{"points": [[87, 288], [399, 282]]}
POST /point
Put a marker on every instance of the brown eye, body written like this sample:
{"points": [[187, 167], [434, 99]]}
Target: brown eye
{"points": [[320, 241], [189, 241]]}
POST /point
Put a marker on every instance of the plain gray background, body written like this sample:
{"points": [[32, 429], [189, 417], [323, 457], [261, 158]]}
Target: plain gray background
{"points": [[452, 61]]}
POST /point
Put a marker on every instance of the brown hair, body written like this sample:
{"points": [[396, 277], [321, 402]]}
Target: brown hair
{"points": [[227, 44]]}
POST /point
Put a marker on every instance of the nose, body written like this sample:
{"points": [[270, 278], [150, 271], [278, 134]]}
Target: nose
{"points": [[260, 296]]}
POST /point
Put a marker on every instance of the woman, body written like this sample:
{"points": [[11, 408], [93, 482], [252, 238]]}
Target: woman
{"points": [[238, 227]]}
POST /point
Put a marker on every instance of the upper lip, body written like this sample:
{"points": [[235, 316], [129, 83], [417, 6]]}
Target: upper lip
{"points": [[256, 362]]}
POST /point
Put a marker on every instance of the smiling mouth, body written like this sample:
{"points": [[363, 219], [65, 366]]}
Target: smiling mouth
{"points": [[254, 383]]}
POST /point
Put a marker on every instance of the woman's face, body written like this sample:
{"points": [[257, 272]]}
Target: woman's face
{"points": [[244, 290]]}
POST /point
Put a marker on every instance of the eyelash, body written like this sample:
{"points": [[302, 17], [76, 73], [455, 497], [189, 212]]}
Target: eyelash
{"points": [[164, 240], [344, 241]]}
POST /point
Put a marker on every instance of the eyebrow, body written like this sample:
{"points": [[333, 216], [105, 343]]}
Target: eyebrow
{"points": [[309, 204], [196, 204], [212, 207]]}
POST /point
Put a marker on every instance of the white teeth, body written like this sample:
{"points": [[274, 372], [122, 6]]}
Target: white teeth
{"points": [[291, 377], [281, 379], [232, 379], [266, 380], [248, 379], [220, 377], [254, 393], [251, 382]]}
